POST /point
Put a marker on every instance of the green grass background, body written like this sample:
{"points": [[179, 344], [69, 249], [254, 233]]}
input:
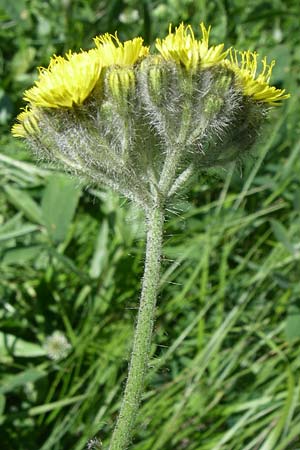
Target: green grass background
{"points": [[225, 366]]}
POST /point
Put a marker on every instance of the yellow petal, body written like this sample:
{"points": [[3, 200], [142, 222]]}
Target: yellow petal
{"points": [[182, 47], [244, 65], [26, 125], [113, 52]]}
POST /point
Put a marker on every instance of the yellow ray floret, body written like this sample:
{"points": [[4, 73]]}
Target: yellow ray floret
{"points": [[244, 65], [182, 47], [27, 124], [67, 81], [113, 52]]}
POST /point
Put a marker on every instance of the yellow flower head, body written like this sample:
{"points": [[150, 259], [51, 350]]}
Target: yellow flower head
{"points": [[244, 65], [70, 80], [113, 52], [182, 47], [27, 124], [67, 81]]}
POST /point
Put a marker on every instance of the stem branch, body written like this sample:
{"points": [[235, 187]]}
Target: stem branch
{"points": [[181, 180]]}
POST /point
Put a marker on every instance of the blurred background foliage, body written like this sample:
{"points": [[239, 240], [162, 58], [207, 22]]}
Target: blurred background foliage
{"points": [[226, 359]]}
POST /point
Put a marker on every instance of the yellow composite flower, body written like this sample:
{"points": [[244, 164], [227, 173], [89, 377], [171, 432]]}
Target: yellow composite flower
{"points": [[26, 125], [182, 47], [112, 51], [256, 85], [67, 81]]}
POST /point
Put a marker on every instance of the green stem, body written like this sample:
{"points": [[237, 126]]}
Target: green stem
{"points": [[181, 179], [169, 169], [142, 338], [174, 154]]}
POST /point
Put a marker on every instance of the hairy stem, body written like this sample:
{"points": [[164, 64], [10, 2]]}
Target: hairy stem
{"points": [[142, 338], [174, 154], [169, 169], [181, 179]]}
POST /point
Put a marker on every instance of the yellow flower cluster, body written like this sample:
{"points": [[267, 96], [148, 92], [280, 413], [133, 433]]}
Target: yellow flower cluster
{"points": [[182, 47], [69, 80]]}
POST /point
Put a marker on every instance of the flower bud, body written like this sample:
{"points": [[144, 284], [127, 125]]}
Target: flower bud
{"points": [[221, 97], [212, 105], [120, 83], [156, 81]]}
